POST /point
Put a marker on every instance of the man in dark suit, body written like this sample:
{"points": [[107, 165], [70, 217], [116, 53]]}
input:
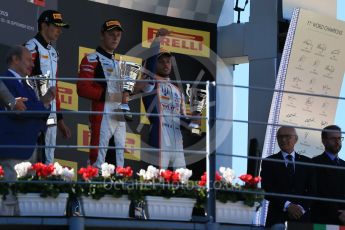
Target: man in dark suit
{"points": [[21, 128], [282, 174], [6, 99], [330, 182]]}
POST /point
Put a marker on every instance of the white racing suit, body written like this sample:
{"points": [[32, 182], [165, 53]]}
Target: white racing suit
{"points": [[45, 59], [103, 65]]}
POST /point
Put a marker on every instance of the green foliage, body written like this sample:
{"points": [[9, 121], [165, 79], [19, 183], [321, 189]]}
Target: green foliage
{"points": [[46, 188]]}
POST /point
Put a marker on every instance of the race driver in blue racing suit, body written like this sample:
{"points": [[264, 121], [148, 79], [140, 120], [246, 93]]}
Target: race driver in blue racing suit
{"points": [[163, 98]]}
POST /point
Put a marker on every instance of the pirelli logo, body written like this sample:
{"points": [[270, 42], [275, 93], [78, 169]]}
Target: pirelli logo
{"points": [[57, 16], [84, 137], [113, 23], [133, 143], [68, 96], [180, 40]]}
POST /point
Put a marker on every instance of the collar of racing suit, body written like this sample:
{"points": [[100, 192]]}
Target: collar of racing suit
{"points": [[105, 53], [41, 40], [159, 78]]}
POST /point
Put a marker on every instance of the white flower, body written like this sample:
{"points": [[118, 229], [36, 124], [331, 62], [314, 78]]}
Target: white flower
{"points": [[228, 174], [185, 174], [67, 174], [150, 174], [57, 169], [141, 173], [22, 169], [107, 169]]}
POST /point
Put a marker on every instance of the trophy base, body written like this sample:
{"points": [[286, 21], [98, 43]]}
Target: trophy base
{"points": [[126, 112], [124, 107], [127, 115], [196, 132]]}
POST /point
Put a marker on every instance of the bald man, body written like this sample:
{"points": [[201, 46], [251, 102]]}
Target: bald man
{"points": [[287, 177]]}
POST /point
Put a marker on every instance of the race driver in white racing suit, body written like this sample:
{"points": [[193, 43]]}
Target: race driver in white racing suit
{"points": [[105, 95], [45, 59]]}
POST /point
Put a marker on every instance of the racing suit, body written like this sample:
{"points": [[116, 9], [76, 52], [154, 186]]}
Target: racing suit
{"points": [[45, 59], [101, 64], [167, 99]]}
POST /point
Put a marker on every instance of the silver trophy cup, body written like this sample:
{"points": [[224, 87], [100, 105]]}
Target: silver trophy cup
{"points": [[129, 72], [39, 83], [197, 101]]}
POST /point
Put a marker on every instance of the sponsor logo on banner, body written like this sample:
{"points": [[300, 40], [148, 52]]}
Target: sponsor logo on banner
{"points": [[180, 40], [68, 96], [84, 137], [69, 164], [132, 141], [38, 2]]}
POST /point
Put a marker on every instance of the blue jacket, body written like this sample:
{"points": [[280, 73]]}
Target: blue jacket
{"points": [[21, 129]]}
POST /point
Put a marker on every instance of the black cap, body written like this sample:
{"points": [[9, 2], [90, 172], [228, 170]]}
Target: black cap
{"points": [[163, 52], [52, 17], [111, 24]]}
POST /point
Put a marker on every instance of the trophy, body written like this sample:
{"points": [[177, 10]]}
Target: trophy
{"points": [[197, 101], [39, 83], [129, 71]]}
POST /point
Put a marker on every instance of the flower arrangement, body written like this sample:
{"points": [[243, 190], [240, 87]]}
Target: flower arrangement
{"points": [[228, 190], [107, 181], [3, 186], [163, 182], [41, 172]]}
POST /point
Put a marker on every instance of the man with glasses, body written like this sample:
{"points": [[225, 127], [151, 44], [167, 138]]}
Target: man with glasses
{"points": [[283, 173], [329, 180]]}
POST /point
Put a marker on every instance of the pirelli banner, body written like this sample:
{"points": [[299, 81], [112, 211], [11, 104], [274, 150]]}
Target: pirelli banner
{"points": [[180, 40], [192, 44]]}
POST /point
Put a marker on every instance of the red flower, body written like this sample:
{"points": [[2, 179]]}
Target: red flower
{"points": [[255, 180], [218, 177], [246, 178], [203, 178], [43, 170], [249, 179], [166, 174], [202, 183], [48, 170], [88, 173], [126, 172], [175, 177], [2, 172]]}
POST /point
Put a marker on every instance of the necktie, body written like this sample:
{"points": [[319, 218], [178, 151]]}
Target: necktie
{"points": [[289, 165]]}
